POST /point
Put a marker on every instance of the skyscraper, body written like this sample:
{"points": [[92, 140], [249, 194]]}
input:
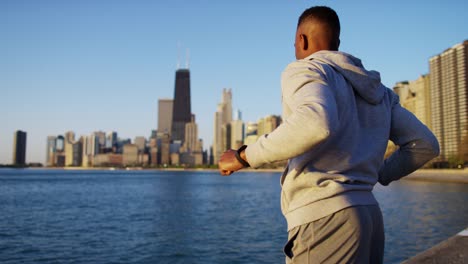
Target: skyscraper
{"points": [[60, 151], [191, 136], [191, 153], [111, 139], [165, 108], [237, 131], [449, 101], [69, 141], [19, 148], [181, 113], [140, 142], [50, 153], [223, 118]]}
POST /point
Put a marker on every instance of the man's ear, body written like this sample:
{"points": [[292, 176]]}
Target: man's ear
{"points": [[304, 42]]}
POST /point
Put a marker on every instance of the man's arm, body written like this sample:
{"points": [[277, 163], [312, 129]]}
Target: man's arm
{"points": [[417, 145], [313, 119]]}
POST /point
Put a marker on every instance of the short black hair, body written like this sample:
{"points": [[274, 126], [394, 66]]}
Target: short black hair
{"points": [[325, 15]]}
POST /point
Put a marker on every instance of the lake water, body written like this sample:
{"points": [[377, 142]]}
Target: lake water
{"points": [[56, 216]]}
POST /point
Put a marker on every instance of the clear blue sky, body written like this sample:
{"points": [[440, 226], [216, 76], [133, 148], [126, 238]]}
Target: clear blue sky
{"points": [[102, 65]]}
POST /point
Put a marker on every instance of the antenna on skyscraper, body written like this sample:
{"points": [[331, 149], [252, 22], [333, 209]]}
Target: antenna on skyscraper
{"points": [[178, 55], [187, 59]]}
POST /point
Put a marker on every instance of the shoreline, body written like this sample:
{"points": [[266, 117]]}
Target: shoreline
{"points": [[426, 175], [439, 175]]}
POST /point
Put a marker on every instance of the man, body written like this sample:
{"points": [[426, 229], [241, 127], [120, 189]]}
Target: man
{"points": [[337, 120]]}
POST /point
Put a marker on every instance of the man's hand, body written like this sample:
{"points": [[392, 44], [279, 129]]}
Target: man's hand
{"points": [[228, 164]]}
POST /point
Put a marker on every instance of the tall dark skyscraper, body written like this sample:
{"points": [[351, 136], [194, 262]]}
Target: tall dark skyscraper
{"points": [[19, 148], [181, 111]]}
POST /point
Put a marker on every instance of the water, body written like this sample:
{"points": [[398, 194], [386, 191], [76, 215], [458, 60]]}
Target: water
{"points": [[55, 216]]}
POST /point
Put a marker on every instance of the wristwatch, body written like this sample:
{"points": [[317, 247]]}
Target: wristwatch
{"points": [[238, 157]]}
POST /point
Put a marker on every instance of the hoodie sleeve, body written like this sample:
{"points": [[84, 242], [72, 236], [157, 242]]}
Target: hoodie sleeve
{"points": [[417, 145], [312, 119]]}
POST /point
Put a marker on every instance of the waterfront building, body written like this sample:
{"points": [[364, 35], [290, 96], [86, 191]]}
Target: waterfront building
{"points": [[191, 152], [191, 136], [175, 158], [72, 150], [101, 138], [217, 147], [422, 100], [251, 133], [93, 146], [165, 108], [211, 157], [60, 143], [143, 159], [154, 134], [121, 143], [70, 136], [60, 160], [69, 141], [60, 151], [237, 130], [226, 136], [130, 155], [205, 157], [140, 142], [267, 124], [19, 148], [111, 139], [174, 150], [90, 150], [181, 111], [163, 145], [222, 118], [415, 97], [237, 133], [84, 156], [77, 153], [448, 73], [153, 149], [226, 105], [50, 152], [108, 159]]}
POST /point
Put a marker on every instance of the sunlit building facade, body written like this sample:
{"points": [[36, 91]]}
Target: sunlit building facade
{"points": [[50, 152], [165, 115], [222, 129], [267, 124], [415, 97], [449, 102]]}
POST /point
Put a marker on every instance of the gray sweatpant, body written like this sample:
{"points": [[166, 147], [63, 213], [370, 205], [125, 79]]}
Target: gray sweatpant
{"points": [[352, 235]]}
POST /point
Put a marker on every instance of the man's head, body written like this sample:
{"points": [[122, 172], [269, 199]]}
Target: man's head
{"points": [[318, 29]]}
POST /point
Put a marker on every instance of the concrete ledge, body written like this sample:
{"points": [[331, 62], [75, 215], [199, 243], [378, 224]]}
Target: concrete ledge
{"points": [[451, 251]]}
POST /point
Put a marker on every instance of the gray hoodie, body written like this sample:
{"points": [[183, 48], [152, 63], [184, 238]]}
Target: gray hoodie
{"points": [[337, 120]]}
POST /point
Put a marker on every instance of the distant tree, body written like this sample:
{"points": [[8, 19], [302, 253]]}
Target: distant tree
{"points": [[455, 161]]}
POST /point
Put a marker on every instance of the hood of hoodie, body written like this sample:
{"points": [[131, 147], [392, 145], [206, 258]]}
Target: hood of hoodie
{"points": [[365, 83]]}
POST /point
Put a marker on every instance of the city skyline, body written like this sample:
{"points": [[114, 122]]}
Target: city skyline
{"points": [[100, 66], [439, 100]]}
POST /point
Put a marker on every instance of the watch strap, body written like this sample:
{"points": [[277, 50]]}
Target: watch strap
{"points": [[238, 157]]}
